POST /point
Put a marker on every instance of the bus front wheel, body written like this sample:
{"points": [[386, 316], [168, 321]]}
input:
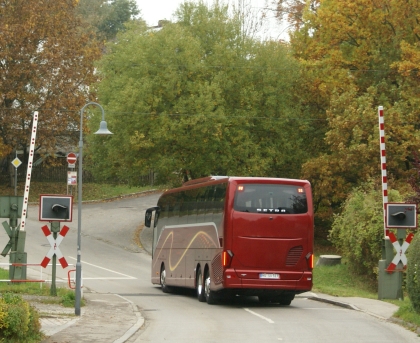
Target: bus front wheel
{"points": [[209, 294], [165, 288], [200, 287]]}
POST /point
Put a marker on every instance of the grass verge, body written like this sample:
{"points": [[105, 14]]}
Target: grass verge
{"points": [[339, 281], [91, 191], [65, 297]]}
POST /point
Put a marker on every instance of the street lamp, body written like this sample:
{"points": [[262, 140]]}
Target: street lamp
{"points": [[103, 130]]}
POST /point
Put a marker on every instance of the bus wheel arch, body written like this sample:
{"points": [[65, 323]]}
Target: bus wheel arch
{"points": [[165, 288], [199, 282], [210, 295]]}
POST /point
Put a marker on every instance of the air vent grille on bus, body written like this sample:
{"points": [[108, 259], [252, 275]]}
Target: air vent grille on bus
{"points": [[294, 255], [216, 266]]}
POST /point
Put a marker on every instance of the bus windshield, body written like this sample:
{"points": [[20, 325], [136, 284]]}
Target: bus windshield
{"points": [[270, 199]]}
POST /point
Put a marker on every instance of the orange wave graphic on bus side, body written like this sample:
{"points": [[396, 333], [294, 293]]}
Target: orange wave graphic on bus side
{"points": [[199, 234]]}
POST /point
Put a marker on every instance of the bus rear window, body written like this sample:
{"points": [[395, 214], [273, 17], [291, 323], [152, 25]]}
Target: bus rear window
{"points": [[270, 199]]}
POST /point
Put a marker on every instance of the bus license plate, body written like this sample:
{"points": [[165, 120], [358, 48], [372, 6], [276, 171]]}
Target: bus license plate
{"points": [[269, 276]]}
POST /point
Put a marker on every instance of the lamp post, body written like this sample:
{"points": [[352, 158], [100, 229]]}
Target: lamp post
{"points": [[103, 130]]}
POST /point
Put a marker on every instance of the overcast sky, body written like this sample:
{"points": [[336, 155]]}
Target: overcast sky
{"points": [[154, 10]]}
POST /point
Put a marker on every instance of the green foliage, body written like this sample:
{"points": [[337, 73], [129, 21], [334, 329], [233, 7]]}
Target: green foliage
{"points": [[198, 97], [358, 231], [107, 18], [19, 322], [407, 313], [413, 273], [68, 299], [338, 280]]}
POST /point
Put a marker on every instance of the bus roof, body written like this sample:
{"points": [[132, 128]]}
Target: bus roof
{"points": [[244, 178]]}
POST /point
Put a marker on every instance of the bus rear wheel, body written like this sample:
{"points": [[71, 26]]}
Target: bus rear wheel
{"points": [[165, 288], [209, 294], [286, 299], [200, 287]]}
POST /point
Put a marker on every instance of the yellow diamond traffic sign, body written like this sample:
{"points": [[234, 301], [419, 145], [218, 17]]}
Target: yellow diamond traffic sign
{"points": [[16, 162]]}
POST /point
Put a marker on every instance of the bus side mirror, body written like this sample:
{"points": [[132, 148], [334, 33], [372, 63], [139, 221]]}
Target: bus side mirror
{"points": [[148, 216]]}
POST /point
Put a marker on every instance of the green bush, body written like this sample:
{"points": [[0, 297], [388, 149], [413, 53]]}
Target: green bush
{"points": [[413, 272], [19, 322], [358, 230]]}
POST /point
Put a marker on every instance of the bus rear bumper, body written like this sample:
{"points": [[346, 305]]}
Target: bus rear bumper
{"points": [[296, 281]]}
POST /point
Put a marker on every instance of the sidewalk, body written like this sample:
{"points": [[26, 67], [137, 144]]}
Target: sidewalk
{"points": [[376, 308], [104, 318]]}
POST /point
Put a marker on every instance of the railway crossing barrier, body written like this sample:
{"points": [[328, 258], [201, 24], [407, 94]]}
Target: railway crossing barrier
{"points": [[39, 280]]}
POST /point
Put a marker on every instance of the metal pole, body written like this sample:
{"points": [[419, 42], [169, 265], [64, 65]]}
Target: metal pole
{"points": [[79, 221], [16, 176], [79, 211]]}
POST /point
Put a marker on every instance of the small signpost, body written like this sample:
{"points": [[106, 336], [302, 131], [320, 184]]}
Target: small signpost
{"points": [[71, 175], [71, 178], [16, 163], [71, 159]]}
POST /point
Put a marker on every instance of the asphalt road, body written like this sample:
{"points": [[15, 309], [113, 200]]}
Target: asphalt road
{"points": [[112, 262]]}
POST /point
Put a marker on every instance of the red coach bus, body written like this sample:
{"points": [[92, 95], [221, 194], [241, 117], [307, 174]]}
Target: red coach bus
{"points": [[228, 236]]}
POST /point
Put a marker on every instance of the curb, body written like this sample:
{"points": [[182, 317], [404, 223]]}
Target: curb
{"points": [[335, 302], [131, 331]]}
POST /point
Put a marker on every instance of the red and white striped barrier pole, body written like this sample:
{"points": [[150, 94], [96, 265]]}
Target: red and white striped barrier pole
{"points": [[29, 172], [383, 165]]}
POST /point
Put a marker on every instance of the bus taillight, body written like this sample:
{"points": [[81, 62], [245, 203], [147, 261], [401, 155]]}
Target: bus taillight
{"points": [[310, 259], [227, 258]]}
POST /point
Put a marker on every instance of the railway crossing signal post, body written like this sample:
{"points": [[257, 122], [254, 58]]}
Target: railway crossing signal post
{"points": [[55, 209], [402, 217], [396, 216]]}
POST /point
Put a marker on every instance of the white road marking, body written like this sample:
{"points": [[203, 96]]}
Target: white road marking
{"points": [[259, 316], [108, 270]]}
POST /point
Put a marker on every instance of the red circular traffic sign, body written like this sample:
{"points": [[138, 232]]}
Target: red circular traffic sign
{"points": [[71, 158]]}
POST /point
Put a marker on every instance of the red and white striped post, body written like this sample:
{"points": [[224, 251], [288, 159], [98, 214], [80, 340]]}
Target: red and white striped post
{"points": [[29, 172], [383, 164]]}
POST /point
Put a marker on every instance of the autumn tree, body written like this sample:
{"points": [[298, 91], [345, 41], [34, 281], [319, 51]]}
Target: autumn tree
{"points": [[291, 11], [107, 18], [198, 97], [359, 54], [46, 66]]}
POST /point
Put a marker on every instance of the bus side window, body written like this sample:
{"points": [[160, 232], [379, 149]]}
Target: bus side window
{"points": [[219, 203], [183, 209], [219, 198], [157, 215], [201, 204], [192, 206], [209, 204], [172, 211]]}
